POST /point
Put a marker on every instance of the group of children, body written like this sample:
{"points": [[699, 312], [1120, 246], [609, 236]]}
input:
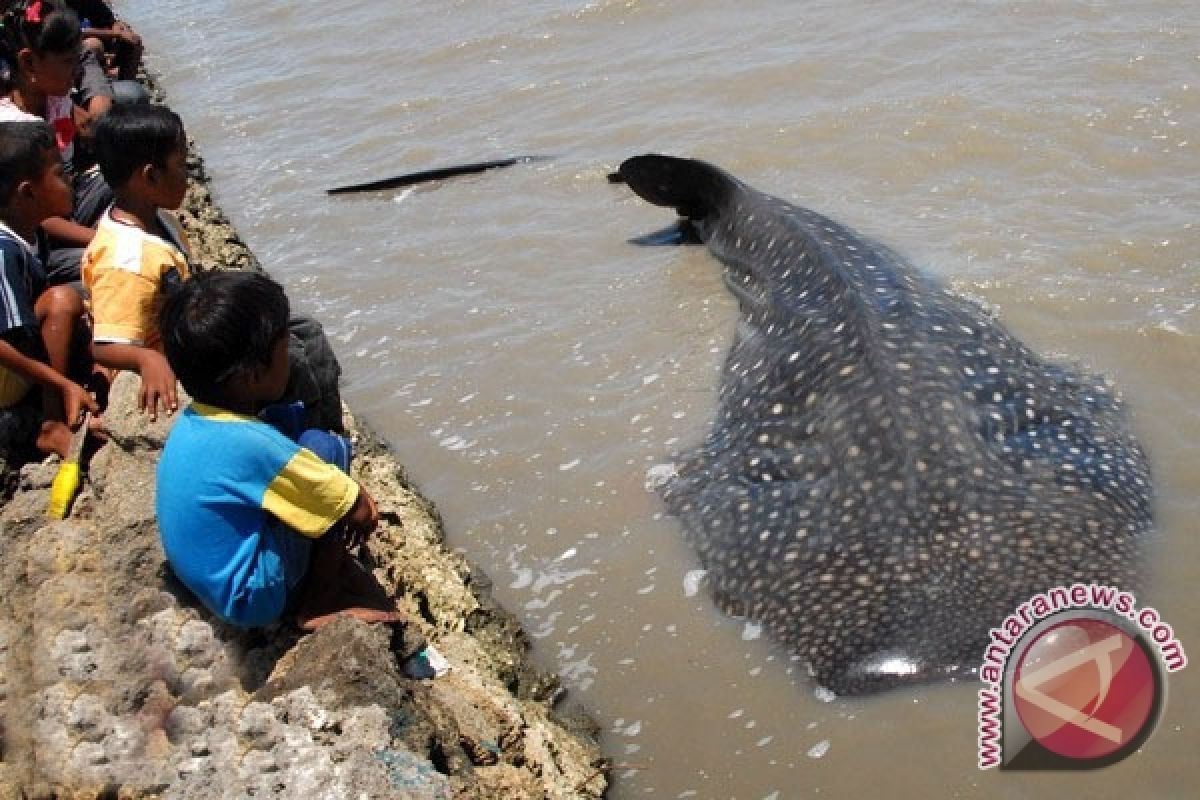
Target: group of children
{"points": [[257, 512]]}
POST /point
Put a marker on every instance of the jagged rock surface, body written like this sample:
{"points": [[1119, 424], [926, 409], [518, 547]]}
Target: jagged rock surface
{"points": [[113, 676]]}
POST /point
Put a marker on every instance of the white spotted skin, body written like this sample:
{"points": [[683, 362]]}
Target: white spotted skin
{"points": [[890, 472]]}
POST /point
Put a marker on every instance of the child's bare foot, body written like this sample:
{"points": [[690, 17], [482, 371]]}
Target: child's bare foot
{"points": [[95, 426], [54, 437], [337, 585], [310, 622]]}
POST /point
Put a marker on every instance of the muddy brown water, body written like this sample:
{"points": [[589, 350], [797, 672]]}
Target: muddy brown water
{"points": [[529, 366]]}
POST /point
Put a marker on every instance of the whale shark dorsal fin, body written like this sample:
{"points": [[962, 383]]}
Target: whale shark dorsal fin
{"points": [[693, 188]]}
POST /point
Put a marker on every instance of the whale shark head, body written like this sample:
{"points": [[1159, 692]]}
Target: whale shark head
{"points": [[890, 472], [786, 265]]}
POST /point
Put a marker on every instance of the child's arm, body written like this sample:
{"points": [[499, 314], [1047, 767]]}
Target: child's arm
{"points": [[158, 380], [119, 32], [74, 397], [98, 20], [73, 233]]}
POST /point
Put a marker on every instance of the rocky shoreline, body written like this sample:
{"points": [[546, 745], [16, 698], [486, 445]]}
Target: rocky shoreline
{"points": [[114, 682]]}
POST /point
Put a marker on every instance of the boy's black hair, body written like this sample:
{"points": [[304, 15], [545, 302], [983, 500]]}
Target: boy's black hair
{"points": [[23, 147], [219, 322], [44, 26], [129, 137]]}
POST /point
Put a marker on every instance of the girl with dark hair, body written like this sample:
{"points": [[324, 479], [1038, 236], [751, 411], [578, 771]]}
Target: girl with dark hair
{"points": [[41, 43]]}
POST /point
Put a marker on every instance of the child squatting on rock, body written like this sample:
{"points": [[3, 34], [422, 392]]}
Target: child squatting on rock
{"points": [[43, 341], [255, 523]]}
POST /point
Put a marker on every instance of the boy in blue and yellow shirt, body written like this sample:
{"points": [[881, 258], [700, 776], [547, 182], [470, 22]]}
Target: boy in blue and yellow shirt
{"points": [[254, 522]]}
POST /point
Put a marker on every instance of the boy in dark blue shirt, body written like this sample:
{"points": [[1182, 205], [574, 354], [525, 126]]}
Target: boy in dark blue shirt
{"points": [[40, 327]]}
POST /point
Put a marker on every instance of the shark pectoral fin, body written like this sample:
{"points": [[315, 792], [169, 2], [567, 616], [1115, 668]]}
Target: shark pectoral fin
{"points": [[680, 232]]}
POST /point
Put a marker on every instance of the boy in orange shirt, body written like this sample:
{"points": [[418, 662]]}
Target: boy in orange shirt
{"points": [[139, 252]]}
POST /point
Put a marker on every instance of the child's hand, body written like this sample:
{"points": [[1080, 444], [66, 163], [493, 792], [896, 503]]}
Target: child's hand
{"points": [[75, 400], [158, 385], [126, 33], [361, 520]]}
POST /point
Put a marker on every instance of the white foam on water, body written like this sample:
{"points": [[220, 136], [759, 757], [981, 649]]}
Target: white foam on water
{"points": [[658, 476], [751, 631], [693, 579]]}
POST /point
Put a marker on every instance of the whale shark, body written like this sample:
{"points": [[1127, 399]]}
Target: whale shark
{"points": [[890, 472]]}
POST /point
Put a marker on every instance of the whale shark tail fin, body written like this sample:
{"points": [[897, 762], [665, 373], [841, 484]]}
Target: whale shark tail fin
{"points": [[693, 188]]}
